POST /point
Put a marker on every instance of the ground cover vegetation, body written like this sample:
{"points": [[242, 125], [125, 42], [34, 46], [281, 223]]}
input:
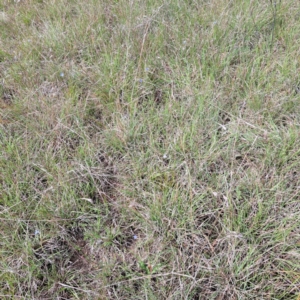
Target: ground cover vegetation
{"points": [[149, 149]]}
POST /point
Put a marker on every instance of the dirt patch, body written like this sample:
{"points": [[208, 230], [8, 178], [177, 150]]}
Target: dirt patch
{"points": [[6, 104]]}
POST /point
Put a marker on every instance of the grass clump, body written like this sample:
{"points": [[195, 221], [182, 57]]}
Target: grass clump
{"points": [[149, 150]]}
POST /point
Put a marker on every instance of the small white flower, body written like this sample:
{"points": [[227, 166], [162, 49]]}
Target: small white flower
{"points": [[62, 74]]}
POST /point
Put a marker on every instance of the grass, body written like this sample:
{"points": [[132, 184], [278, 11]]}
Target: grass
{"points": [[149, 149]]}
